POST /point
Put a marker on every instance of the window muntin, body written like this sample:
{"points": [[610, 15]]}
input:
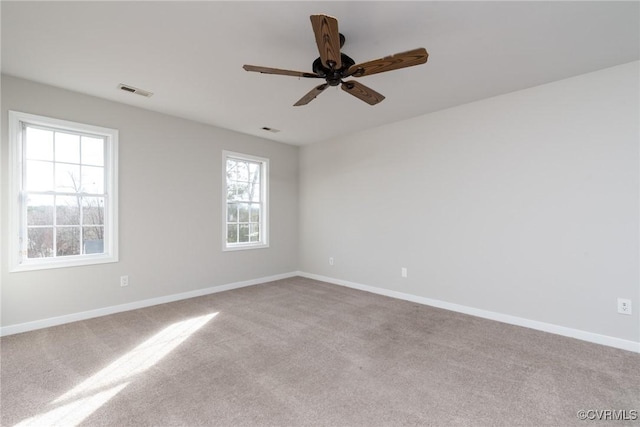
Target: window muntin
{"points": [[64, 193], [245, 201]]}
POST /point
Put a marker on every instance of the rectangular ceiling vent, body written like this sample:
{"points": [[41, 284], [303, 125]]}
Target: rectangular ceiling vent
{"points": [[272, 130], [135, 90]]}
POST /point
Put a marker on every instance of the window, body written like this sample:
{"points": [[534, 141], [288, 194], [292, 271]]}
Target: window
{"points": [[245, 201], [63, 207]]}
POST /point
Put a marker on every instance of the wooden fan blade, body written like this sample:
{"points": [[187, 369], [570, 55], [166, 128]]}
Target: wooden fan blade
{"points": [[362, 92], [325, 29], [310, 96], [267, 70], [388, 63]]}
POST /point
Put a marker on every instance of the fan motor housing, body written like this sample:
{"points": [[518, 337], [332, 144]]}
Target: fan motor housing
{"points": [[333, 77]]}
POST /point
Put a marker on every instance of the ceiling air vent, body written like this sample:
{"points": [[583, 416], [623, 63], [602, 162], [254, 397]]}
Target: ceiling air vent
{"points": [[272, 130], [135, 90]]}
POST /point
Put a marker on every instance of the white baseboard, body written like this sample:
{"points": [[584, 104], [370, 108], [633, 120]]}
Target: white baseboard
{"points": [[504, 318], [74, 317], [500, 317]]}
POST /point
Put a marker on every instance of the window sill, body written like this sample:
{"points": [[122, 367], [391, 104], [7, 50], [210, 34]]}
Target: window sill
{"points": [[241, 247], [43, 264]]}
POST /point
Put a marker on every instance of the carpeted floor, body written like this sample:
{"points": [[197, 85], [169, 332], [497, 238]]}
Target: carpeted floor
{"points": [[301, 352]]}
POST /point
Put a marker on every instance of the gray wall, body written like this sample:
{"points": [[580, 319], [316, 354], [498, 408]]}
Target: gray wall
{"points": [[170, 209], [524, 204]]}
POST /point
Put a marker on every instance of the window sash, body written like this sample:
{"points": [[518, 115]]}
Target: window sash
{"points": [[84, 225], [248, 224], [19, 225]]}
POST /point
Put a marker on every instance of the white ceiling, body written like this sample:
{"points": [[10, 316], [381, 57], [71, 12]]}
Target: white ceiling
{"points": [[190, 55]]}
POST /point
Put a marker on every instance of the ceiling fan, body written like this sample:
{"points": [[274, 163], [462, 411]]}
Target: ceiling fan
{"points": [[334, 66]]}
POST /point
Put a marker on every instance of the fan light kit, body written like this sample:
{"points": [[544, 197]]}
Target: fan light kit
{"points": [[334, 66]]}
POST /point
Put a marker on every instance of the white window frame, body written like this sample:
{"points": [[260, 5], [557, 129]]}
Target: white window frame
{"points": [[18, 260], [264, 191]]}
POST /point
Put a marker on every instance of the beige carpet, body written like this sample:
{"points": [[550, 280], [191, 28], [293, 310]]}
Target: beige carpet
{"points": [[300, 352]]}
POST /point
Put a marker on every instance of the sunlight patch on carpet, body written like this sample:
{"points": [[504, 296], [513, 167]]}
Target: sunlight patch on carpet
{"points": [[85, 398]]}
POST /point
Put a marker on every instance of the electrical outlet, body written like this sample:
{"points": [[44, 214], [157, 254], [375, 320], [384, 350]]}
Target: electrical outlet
{"points": [[624, 306], [331, 260], [124, 280], [403, 272]]}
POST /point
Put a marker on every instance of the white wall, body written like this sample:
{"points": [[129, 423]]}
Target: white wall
{"points": [[525, 204], [170, 210]]}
